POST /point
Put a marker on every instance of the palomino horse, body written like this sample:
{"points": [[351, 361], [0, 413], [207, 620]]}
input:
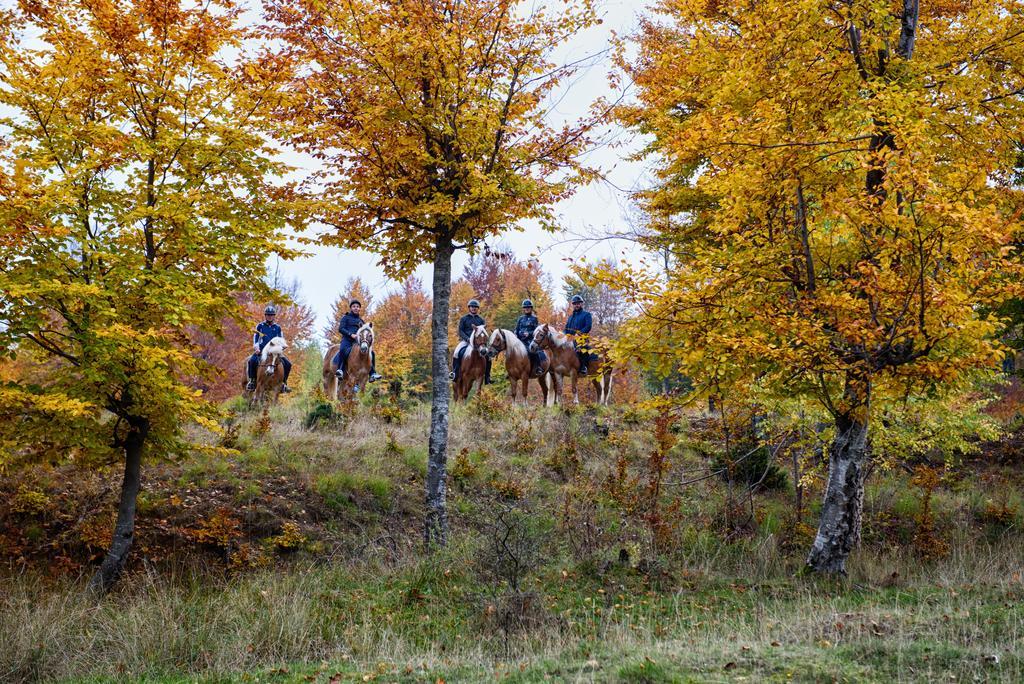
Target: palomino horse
{"points": [[270, 373], [357, 366], [564, 362], [517, 362], [474, 363]]}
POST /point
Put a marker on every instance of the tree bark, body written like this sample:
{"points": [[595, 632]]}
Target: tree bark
{"points": [[124, 529], [839, 529], [436, 527]]}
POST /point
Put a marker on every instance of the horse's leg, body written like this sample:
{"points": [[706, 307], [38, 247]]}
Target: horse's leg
{"points": [[556, 390], [543, 390], [526, 388], [575, 389]]}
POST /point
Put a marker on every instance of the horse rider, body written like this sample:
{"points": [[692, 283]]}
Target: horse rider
{"points": [[348, 326], [580, 322], [525, 326], [467, 324], [266, 331]]}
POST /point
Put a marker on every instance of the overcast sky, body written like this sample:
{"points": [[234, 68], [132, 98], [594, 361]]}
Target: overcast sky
{"points": [[600, 207]]}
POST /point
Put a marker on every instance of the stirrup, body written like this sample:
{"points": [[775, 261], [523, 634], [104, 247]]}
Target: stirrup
{"points": [[374, 377], [451, 375], [583, 370], [339, 374], [250, 386]]}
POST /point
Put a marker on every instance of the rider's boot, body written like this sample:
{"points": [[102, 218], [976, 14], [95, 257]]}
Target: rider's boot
{"points": [[250, 386], [339, 374], [285, 389]]}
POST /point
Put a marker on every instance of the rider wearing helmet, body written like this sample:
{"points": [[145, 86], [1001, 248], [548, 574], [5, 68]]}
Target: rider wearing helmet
{"points": [[467, 324], [525, 326], [348, 326], [580, 322], [266, 331]]}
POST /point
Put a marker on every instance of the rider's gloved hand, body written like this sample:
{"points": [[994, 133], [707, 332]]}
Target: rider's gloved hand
{"points": [[256, 347]]}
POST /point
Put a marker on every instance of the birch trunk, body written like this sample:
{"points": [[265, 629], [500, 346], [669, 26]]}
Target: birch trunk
{"points": [[436, 524]]}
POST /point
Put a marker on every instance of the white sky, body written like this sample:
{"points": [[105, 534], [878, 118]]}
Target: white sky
{"points": [[598, 208]]}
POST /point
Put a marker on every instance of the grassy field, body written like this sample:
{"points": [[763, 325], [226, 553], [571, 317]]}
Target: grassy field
{"points": [[297, 557]]}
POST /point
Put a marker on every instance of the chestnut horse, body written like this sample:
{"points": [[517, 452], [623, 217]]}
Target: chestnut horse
{"points": [[474, 364], [357, 366], [270, 373], [517, 362], [564, 362]]}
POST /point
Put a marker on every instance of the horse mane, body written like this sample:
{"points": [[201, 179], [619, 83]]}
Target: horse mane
{"points": [[511, 341], [274, 346], [558, 339]]}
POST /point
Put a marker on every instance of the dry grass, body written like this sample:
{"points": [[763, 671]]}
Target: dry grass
{"points": [[371, 604]]}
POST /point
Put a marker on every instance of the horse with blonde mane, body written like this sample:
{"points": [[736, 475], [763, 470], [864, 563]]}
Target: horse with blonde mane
{"points": [[270, 373], [357, 366], [517, 363], [564, 362], [474, 363]]}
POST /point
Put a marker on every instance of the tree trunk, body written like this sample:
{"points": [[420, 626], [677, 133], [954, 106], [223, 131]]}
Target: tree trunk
{"points": [[839, 529], [436, 528], [124, 529]]}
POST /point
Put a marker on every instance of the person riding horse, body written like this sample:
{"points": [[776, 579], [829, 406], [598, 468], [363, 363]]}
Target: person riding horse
{"points": [[348, 326], [266, 331], [580, 322], [466, 326], [525, 326]]}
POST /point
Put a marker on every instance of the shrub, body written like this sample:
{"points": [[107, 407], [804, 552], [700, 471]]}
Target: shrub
{"points": [[321, 414]]}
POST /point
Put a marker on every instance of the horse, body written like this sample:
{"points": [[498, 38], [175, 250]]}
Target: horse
{"points": [[474, 363], [517, 362], [562, 352], [270, 373], [357, 366]]}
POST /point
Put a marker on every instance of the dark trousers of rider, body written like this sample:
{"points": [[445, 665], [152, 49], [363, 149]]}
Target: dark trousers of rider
{"points": [[458, 365], [254, 362], [536, 358], [341, 358]]}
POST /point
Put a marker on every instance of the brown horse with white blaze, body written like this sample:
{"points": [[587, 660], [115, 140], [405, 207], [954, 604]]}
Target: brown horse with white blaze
{"points": [[270, 373], [357, 366], [564, 362], [517, 363], [474, 363]]}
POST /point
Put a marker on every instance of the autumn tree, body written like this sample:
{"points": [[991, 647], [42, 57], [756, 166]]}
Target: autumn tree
{"points": [[137, 202], [840, 178], [431, 121], [501, 282], [402, 324]]}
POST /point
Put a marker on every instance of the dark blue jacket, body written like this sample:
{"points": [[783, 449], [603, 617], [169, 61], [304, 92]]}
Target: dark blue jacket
{"points": [[525, 326], [350, 325], [466, 325], [579, 323], [265, 332]]}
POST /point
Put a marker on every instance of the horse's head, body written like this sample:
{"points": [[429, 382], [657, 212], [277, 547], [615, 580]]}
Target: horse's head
{"points": [[479, 339], [364, 336], [272, 352], [540, 338], [497, 343]]}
